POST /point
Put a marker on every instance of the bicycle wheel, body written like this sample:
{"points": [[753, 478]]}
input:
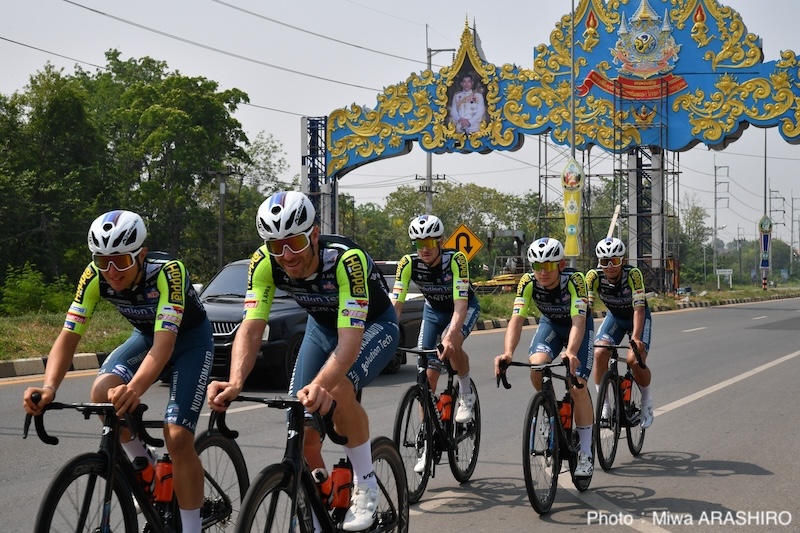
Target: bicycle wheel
{"points": [[74, 499], [267, 505], [393, 503], [607, 429], [226, 480], [413, 439], [633, 409], [467, 439], [581, 483], [541, 461]]}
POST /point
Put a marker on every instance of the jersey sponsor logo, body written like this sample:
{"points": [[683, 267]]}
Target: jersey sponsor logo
{"points": [[403, 262], [174, 282], [328, 286], [170, 327], [354, 313], [255, 260], [579, 282], [69, 325], [87, 276], [77, 309], [152, 294], [461, 261], [71, 317], [356, 323], [358, 282], [168, 318], [250, 304]]}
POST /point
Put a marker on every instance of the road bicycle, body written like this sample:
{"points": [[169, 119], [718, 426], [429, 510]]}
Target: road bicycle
{"points": [[284, 495], [623, 398], [99, 492], [549, 435], [425, 428]]}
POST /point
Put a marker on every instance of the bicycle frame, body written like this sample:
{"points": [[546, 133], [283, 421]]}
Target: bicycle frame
{"points": [[613, 362]]}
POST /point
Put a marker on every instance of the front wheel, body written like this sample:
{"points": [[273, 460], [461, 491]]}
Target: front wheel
{"points": [[393, 502], [74, 499], [540, 454], [413, 436], [267, 506], [466, 439], [633, 409], [226, 480], [607, 428]]}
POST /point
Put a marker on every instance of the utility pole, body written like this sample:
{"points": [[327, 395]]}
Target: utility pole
{"points": [[429, 156], [714, 243], [221, 175]]}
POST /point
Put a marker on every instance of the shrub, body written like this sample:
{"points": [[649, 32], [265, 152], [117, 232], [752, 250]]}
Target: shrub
{"points": [[26, 292]]}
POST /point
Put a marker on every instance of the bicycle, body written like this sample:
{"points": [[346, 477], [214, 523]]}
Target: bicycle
{"points": [[424, 429], [284, 495], [622, 395], [549, 435], [94, 492]]}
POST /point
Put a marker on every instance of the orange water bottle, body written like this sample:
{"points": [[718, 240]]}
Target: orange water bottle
{"points": [[324, 483], [342, 481], [565, 410], [626, 389], [145, 472], [163, 490], [445, 405]]}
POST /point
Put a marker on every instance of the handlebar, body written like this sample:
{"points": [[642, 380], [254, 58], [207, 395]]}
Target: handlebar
{"points": [[562, 362], [132, 420], [633, 348], [422, 351]]}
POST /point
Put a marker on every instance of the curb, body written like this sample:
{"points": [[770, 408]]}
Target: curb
{"points": [[89, 361]]}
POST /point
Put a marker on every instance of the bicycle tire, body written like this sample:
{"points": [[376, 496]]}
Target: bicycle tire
{"points": [[74, 499], [541, 460], [411, 437], [635, 431], [268, 502], [226, 480], [391, 474], [463, 457], [607, 431]]}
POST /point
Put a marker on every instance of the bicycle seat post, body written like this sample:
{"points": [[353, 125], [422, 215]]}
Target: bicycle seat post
{"points": [[422, 368]]}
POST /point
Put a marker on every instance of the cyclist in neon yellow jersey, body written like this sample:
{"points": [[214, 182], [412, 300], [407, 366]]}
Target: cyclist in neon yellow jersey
{"points": [[621, 288], [561, 297], [171, 335], [351, 334]]}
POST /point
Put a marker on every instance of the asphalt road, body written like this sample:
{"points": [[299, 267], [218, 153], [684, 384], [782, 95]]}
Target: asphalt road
{"points": [[721, 455]]}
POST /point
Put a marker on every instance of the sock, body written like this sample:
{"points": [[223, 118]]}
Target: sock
{"points": [[597, 388], [645, 393], [190, 520], [361, 459], [585, 435], [137, 448], [464, 384]]}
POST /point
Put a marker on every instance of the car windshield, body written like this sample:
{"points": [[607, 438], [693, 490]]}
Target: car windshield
{"points": [[231, 282]]}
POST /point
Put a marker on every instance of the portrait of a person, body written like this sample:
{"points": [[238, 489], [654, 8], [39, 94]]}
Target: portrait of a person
{"points": [[467, 107]]}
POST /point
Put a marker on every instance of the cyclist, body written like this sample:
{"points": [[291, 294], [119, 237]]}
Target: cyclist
{"points": [[560, 295], [451, 307], [171, 329], [621, 288], [351, 334]]}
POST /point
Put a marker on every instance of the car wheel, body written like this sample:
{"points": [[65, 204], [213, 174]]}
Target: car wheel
{"points": [[393, 366]]}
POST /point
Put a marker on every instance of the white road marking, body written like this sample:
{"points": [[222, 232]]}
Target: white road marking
{"points": [[693, 329], [759, 317]]}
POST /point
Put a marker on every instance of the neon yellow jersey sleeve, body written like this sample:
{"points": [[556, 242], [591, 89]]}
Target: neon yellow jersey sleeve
{"points": [[402, 280], [83, 305], [351, 276], [172, 284], [578, 294], [636, 282], [260, 286], [592, 285], [459, 266], [524, 297]]}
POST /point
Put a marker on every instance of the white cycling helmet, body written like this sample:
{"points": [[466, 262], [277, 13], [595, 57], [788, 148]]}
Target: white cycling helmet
{"points": [[545, 250], [425, 227], [610, 247], [116, 232], [285, 214]]}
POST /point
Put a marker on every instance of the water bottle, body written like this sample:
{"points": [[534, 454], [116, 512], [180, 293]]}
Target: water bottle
{"points": [[565, 410], [145, 473], [342, 481], [324, 483], [626, 389], [445, 405], [163, 489]]}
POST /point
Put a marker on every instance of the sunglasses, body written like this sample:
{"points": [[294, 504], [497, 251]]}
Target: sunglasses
{"points": [[545, 267], [121, 262], [295, 243], [430, 243], [606, 262]]}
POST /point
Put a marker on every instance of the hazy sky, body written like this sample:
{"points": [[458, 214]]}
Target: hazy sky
{"points": [[296, 58]]}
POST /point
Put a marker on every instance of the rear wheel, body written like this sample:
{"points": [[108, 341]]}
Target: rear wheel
{"points": [[390, 471], [467, 442], [225, 483], [74, 499], [540, 454], [267, 506], [633, 408], [607, 429], [413, 439]]}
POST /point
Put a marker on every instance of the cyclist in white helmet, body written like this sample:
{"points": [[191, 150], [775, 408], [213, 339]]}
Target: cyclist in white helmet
{"points": [[560, 295], [451, 307], [171, 337], [351, 334], [621, 288]]}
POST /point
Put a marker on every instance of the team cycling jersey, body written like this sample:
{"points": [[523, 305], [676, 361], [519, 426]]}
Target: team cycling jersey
{"points": [[440, 284], [164, 299], [621, 297], [345, 292], [560, 304]]}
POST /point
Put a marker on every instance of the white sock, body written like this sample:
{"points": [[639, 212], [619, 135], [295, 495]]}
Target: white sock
{"points": [[645, 393], [137, 448], [190, 520], [464, 385], [585, 436], [361, 459]]}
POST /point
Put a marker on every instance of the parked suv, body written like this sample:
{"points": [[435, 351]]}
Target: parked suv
{"points": [[223, 299]]}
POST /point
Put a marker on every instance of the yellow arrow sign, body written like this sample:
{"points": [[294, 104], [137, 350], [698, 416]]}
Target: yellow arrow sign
{"points": [[464, 240]]}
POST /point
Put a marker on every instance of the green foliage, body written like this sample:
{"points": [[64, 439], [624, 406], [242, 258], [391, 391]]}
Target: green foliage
{"points": [[25, 291]]}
